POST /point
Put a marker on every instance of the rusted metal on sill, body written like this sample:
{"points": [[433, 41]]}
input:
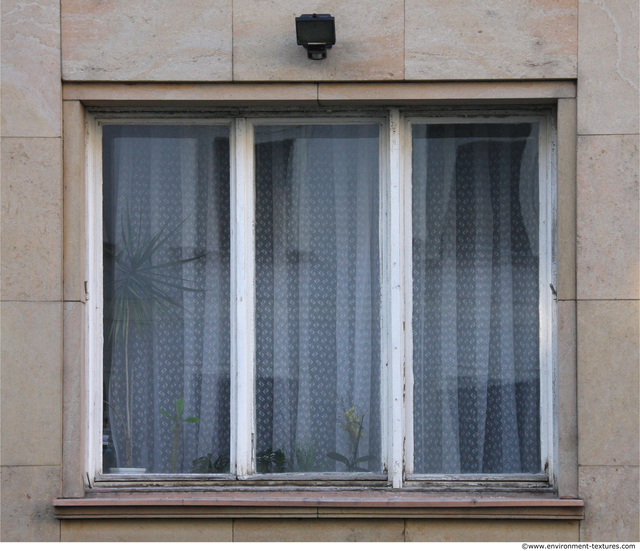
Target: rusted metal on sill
{"points": [[317, 477], [480, 483], [172, 484], [366, 504], [479, 478], [173, 478], [537, 484]]}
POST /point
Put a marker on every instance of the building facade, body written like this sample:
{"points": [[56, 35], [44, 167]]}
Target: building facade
{"points": [[76, 73]]}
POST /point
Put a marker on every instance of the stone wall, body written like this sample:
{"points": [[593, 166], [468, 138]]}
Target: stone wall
{"points": [[32, 257], [239, 41], [607, 260]]}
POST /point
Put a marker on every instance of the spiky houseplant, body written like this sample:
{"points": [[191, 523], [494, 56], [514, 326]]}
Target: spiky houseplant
{"points": [[141, 290]]}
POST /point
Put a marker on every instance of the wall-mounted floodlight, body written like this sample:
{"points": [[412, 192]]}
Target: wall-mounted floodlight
{"points": [[316, 32]]}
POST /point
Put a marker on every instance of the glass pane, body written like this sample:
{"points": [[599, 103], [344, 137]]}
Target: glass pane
{"points": [[475, 298], [166, 298], [317, 298]]}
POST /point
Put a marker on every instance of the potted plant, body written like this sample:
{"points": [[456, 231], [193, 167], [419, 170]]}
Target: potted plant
{"points": [[353, 426], [141, 290], [176, 423], [206, 464], [305, 455]]}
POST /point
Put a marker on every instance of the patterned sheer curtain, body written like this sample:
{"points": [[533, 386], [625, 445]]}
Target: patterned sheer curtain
{"points": [[475, 298], [166, 298], [317, 298]]}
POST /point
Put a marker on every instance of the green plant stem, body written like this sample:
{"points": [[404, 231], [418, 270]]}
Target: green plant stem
{"points": [[174, 449], [127, 436], [357, 443]]}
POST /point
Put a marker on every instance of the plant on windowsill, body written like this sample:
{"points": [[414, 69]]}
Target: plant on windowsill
{"points": [[305, 455], [271, 461], [176, 422], [352, 425], [206, 464], [141, 291]]}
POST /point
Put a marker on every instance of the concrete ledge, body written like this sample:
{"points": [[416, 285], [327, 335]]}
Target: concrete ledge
{"points": [[315, 505], [308, 93], [152, 94], [416, 93]]}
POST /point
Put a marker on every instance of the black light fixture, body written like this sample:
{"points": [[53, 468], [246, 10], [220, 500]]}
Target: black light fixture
{"points": [[316, 32]]}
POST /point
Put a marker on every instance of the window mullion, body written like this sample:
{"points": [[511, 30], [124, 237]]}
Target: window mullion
{"points": [[547, 281], [242, 299], [406, 210], [94, 303], [396, 320]]}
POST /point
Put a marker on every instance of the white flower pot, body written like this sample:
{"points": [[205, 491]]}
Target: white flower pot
{"points": [[127, 470]]}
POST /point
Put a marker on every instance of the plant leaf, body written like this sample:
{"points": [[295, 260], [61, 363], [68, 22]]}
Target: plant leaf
{"points": [[179, 406], [364, 458], [337, 457], [166, 414], [192, 420]]}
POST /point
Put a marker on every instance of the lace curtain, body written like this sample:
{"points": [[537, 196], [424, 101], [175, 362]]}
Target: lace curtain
{"points": [[166, 296], [475, 298], [317, 298]]}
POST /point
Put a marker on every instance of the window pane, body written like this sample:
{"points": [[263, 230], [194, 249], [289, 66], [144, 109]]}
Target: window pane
{"points": [[317, 298], [166, 298], [475, 298]]}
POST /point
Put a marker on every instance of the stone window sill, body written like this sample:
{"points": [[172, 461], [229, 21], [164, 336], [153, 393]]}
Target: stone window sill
{"points": [[309, 504]]}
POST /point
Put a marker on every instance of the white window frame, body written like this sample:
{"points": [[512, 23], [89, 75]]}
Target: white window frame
{"points": [[547, 276], [396, 300]]}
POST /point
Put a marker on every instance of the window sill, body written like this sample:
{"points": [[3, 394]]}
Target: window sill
{"points": [[313, 504]]}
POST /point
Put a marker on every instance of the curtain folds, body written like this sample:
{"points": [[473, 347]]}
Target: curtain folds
{"points": [[317, 296], [475, 318], [475, 298], [166, 295]]}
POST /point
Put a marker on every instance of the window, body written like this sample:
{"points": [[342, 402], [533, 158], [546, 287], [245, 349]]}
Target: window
{"points": [[339, 297]]}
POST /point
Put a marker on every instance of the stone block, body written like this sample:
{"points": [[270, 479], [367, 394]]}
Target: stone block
{"points": [[369, 41], [148, 530], [567, 145], [567, 406], [31, 219], [75, 206], [608, 343], [315, 530], [607, 229], [31, 383], [132, 40], [27, 513], [502, 39], [611, 504], [608, 99], [449, 530], [31, 90], [73, 422]]}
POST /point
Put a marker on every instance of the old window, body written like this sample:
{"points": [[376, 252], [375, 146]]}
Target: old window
{"points": [[475, 297], [328, 297]]}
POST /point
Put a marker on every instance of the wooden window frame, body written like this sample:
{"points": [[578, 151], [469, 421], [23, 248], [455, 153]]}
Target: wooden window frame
{"points": [[395, 247]]}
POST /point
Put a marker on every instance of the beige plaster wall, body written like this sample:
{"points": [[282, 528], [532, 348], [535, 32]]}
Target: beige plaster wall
{"points": [[607, 268], [321, 530], [31, 275], [595, 41], [254, 40]]}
